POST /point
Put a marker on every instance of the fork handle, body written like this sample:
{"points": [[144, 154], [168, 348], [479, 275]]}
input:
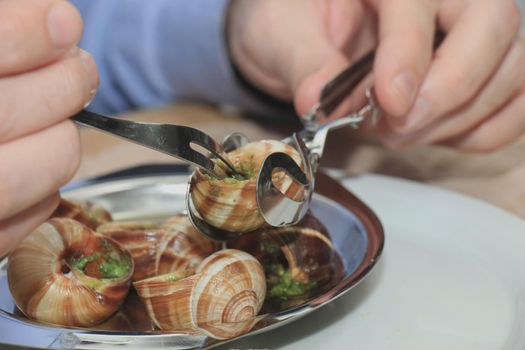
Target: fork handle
{"points": [[119, 127], [146, 134], [151, 135]]}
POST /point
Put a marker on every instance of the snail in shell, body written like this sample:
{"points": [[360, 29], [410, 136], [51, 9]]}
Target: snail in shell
{"points": [[221, 300], [296, 259], [65, 274], [173, 246], [230, 204], [90, 214]]}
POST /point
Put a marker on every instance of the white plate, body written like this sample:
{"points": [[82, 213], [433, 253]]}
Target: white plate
{"points": [[452, 276]]}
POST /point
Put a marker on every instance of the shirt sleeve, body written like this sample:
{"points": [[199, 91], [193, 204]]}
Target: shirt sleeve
{"points": [[151, 53]]}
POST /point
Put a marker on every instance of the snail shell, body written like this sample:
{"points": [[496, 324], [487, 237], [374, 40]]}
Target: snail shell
{"points": [[173, 246], [221, 300], [304, 251], [230, 204], [47, 285], [90, 214], [180, 224], [132, 316]]}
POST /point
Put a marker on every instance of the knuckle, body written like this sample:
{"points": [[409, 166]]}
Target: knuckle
{"points": [[400, 130], [76, 84], [11, 232], [479, 143], [457, 84], [419, 34], [54, 201], [10, 28], [66, 148], [481, 147], [7, 114], [457, 79], [70, 148], [10, 235], [394, 142], [5, 240], [7, 185]]}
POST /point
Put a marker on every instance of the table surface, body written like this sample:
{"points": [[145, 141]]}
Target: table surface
{"points": [[496, 177]]}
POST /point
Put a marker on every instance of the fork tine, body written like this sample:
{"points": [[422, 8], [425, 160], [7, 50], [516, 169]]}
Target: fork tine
{"points": [[197, 159], [204, 140], [215, 149]]}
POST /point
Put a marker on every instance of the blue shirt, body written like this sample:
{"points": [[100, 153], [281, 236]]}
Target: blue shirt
{"points": [[153, 52]]}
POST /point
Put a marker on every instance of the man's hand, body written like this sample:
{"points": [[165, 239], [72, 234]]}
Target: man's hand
{"points": [[44, 78], [469, 94]]}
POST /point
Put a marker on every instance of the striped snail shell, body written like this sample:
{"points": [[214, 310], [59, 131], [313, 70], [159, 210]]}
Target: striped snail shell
{"points": [[180, 225], [90, 214], [65, 274], [221, 300], [173, 246], [230, 204], [296, 259]]}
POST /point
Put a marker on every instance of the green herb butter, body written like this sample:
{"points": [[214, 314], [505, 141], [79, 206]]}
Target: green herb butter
{"points": [[282, 285]]}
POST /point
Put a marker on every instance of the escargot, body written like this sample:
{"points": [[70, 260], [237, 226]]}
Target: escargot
{"points": [[172, 246], [230, 204], [221, 300], [64, 273], [296, 259], [89, 213]]}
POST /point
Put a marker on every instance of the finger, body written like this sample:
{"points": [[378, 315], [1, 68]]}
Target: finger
{"points": [[317, 62], [462, 65], [406, 36], [501, 88], [309, 89], [37, 165], [16, 228], [36, 32], [496, 132], [35, 100]]}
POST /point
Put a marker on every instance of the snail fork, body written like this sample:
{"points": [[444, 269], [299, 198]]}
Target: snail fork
{"points": [[175, 140]]}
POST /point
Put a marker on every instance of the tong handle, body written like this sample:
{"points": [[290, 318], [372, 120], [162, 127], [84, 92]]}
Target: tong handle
{"points": [[338, 88]]}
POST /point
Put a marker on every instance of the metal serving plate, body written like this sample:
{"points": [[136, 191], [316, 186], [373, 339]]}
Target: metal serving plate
{"points": [[159, 191]]}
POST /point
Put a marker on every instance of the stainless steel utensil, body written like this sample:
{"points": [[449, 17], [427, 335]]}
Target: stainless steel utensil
{"points": [[279, 210], [175, 140], [275, 207]]}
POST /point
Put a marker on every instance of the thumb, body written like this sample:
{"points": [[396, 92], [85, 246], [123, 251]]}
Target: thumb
{"points": [[308, 89], [349, 31]]}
